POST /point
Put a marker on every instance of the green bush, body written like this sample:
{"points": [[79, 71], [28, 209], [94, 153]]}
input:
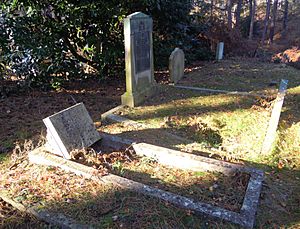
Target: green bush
{"points": [[49, 42]]}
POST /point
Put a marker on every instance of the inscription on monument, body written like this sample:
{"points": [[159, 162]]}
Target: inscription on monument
{"points": [[140, 82], [142, 49], [70, 129]]}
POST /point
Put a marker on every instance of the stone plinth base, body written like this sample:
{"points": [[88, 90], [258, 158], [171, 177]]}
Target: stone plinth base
{"points": [[137, 98]]}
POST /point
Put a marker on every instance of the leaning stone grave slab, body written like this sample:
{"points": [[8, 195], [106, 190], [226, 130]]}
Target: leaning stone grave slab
{"points": [[140, 82], [245, 217], [176, 65], [70, 129]]}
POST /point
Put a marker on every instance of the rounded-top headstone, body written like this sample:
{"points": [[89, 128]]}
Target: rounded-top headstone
{"points": [[176, 65]]}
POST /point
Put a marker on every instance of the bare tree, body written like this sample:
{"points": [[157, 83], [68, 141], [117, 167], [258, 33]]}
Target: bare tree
{"points": [[238, 13], [285, 15], [229, 13], [252, 16], [272, 29], [266, 21]]}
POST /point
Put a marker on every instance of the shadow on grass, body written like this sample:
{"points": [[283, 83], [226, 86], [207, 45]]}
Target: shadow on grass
{"points": [[174, 106], [105, 206], [290, 114], [126, 209], [241, 75]]}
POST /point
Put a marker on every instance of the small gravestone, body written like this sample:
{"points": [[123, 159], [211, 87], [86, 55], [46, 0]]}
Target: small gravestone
{"points": [[220, 50], [275, 116], [176, 65], [70, 129], [140, 82]]}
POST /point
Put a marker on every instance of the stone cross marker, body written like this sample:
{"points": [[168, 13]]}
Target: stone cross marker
{"points": [[140, 81], [70, 129], [274, 120], [220, 50], [176, 65]]}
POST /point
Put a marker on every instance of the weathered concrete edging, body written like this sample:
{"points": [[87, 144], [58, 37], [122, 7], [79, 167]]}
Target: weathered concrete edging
{"points": [[56, 219], [183, 160], [111, 111], [200, 89], [245, 218]]}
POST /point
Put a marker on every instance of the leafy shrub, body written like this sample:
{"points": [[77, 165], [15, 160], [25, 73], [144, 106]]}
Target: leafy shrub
{"points": [[57, 40]]}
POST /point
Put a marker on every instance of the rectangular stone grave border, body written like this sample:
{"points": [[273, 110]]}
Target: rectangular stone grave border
{"points": [[111, 111], [245, 217]]}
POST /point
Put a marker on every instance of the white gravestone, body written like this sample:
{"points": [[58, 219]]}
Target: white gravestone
{"points": [[140, 82], [70, 129], [220, 51], [176, 65]]}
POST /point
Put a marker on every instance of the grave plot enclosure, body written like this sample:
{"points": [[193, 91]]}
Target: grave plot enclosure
{"points": [[176, 159]]}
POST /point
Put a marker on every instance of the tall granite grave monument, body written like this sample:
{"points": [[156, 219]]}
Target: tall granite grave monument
{"points": [[140, 82]]}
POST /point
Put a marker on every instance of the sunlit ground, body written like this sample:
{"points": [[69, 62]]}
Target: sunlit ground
{"points": [[228, 127]]}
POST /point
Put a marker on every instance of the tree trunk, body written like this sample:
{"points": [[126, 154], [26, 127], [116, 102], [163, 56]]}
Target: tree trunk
{"points": [[266, 21], [252, 19], [285, 15], [272, 29], [250, 8], [229, 13], [211, 10], [238, 13]]}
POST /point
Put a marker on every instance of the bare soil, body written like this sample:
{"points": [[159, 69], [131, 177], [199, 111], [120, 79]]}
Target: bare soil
{"points": [[21, 114]]}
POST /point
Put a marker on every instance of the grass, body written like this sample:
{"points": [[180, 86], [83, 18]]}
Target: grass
{"points": [[99, 205], [4, 158], [232, 128], [241, 75], [214, 122], [229, 127], [219, 190], [215, 188], [11, 218]]}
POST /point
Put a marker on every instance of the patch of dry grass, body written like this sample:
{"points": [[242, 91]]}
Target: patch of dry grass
{"points": [[214, 188]]}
